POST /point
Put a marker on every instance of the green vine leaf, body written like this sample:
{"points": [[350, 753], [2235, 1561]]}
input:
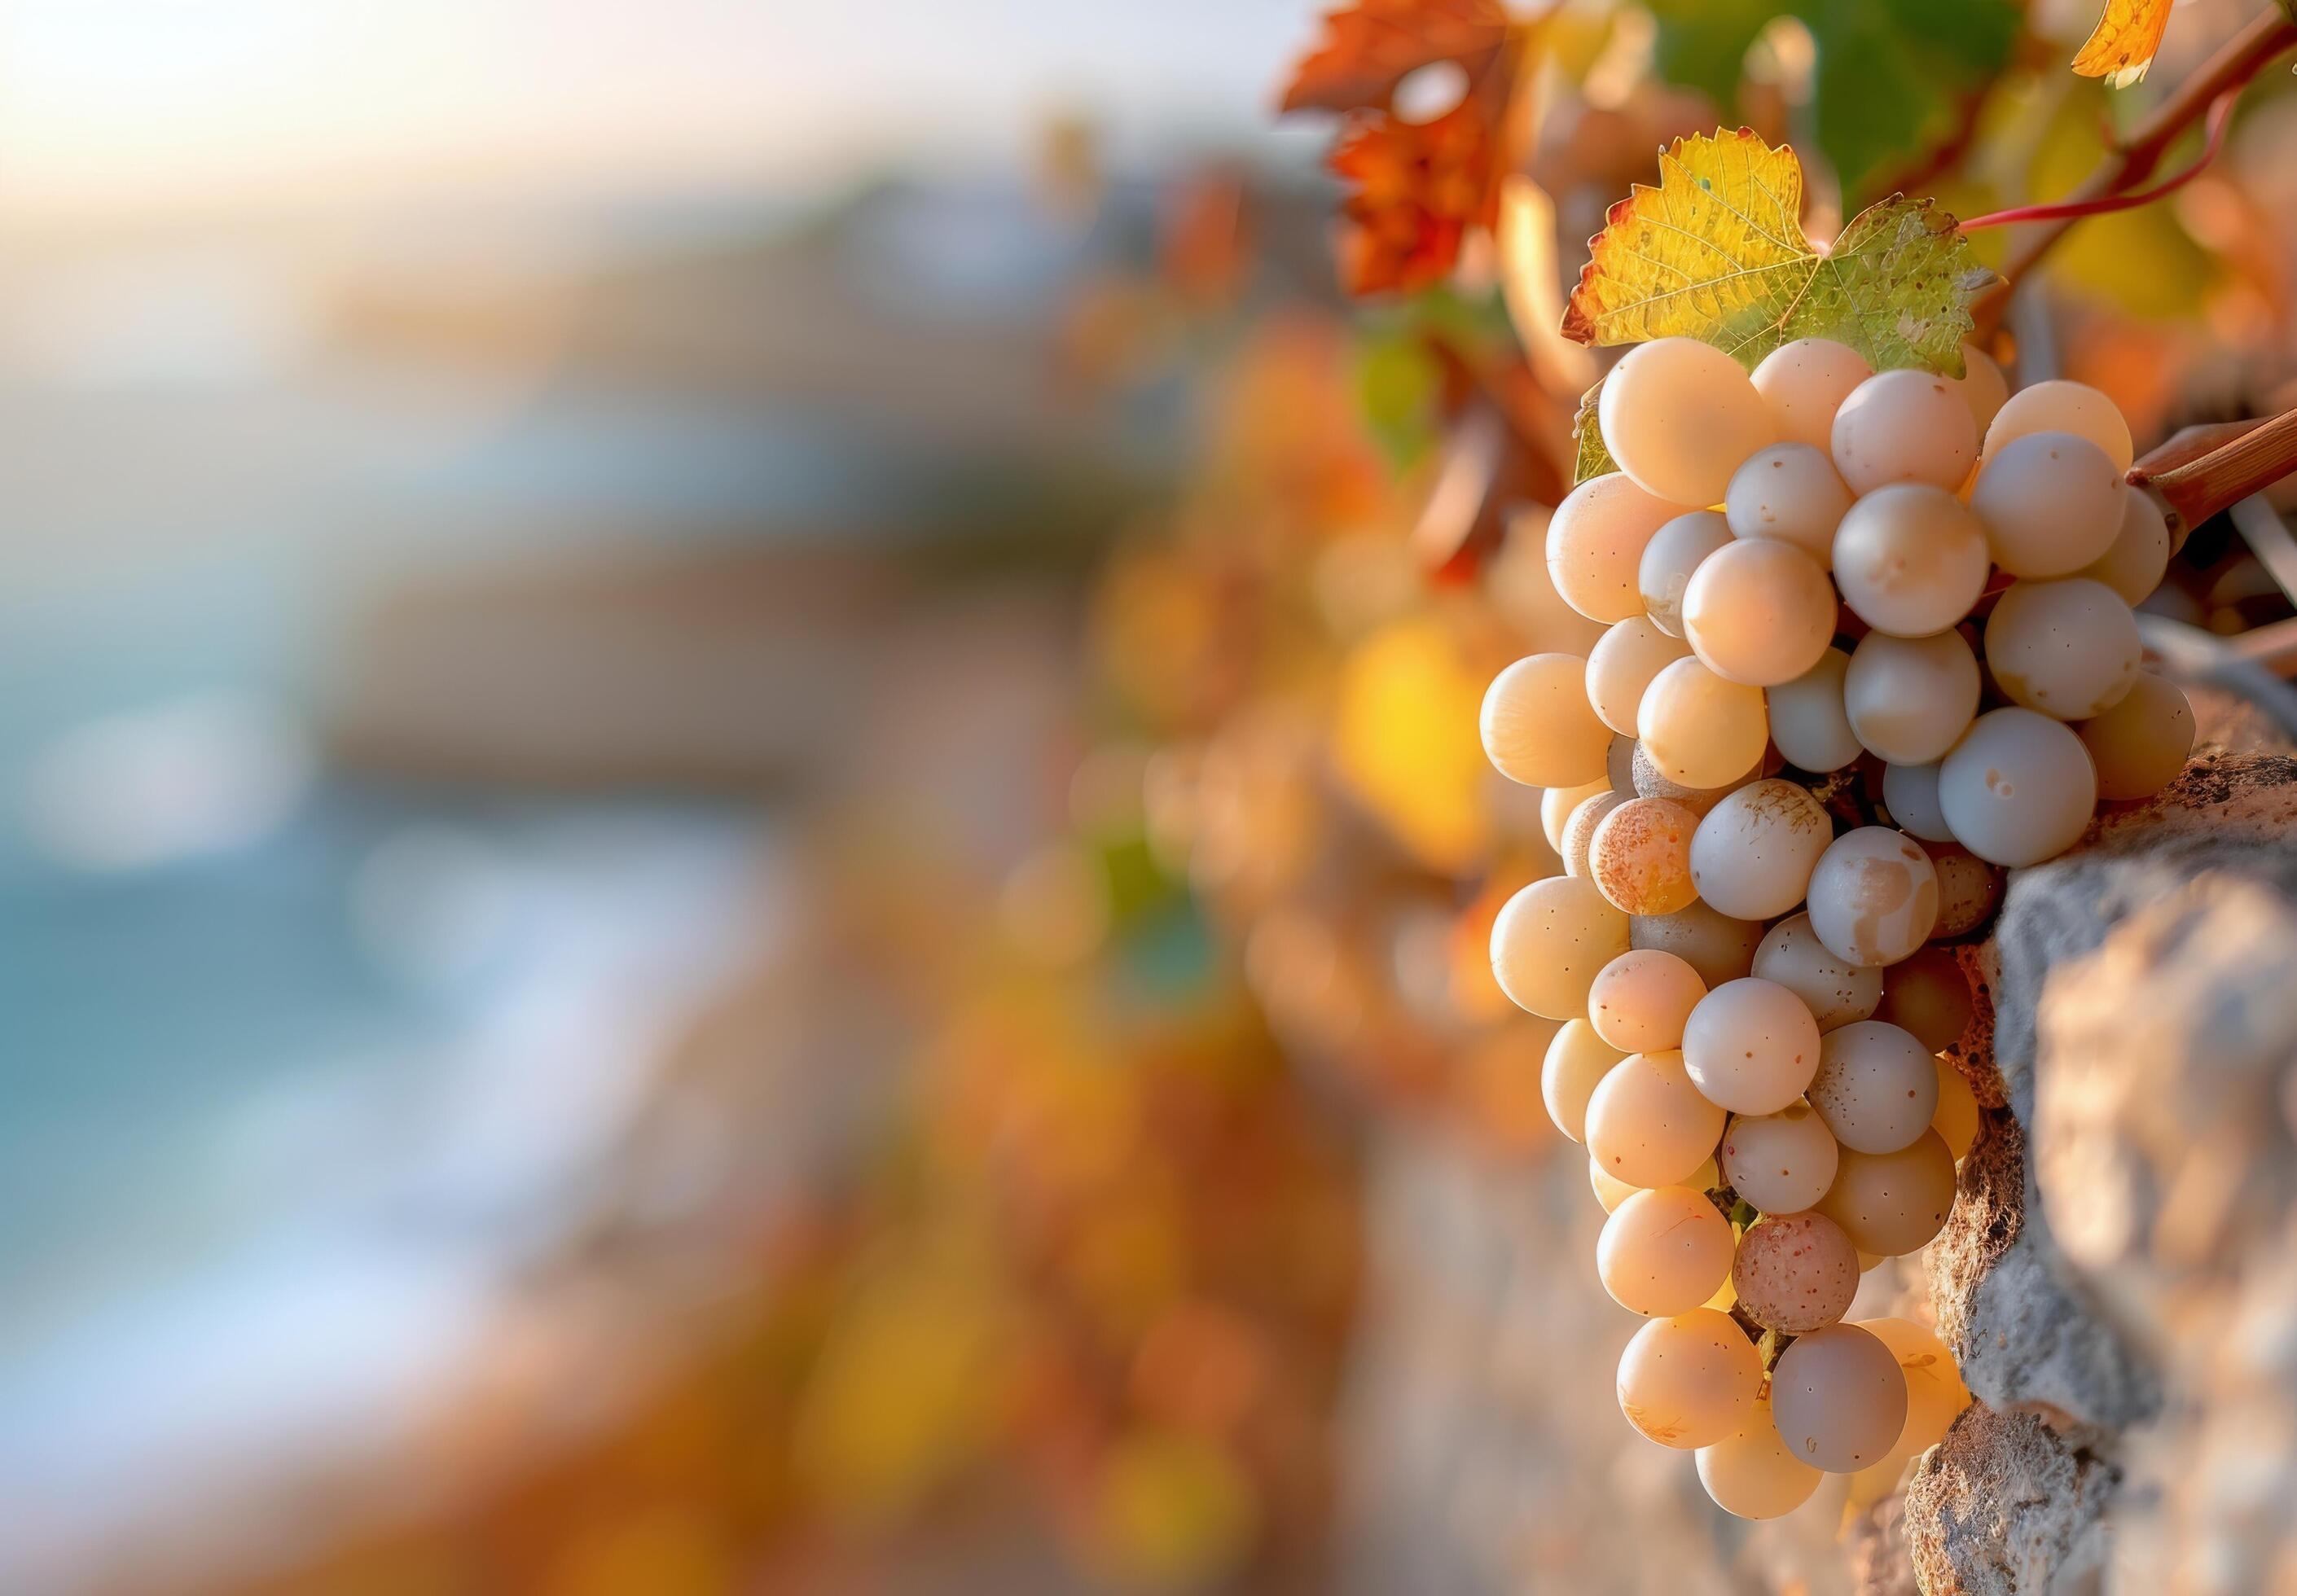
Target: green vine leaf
{"points": [[1591, 458]]}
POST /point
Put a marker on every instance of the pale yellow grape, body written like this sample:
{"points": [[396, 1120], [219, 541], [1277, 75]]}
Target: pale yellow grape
{"points": [[1595, 542], [1835, 991], [1760, 611], [1668, 561], [1679, 416], [1805, 383], [1752, 1475], [1647, 1124], [1892, 1203], [1548, 942], [2018, 788], [1690, 1380], [1650, 783], [1968, 889], [1911, 559], [1956, 1119], [1904, 427], [2140, 744], [1724, 1299], [1935, 1395], [1640, 857], [1808, 723], [1537, 726], [1718, 947], [1753, 853], [1641, 1000], [1750, 1046], [1795, 1272], [1789, 492], [2050, 503], [1576, 1059], [1699, 729], [1525, 594], [2063, 407], [1664, 1251], [1876, 1086], [1619, 765], [1579, 830], [1908, 699], [1910, 793], [1928, 995], [1622, 666], [1839, 1398], [2133, 565], [1611, 1191], [1982, 386], [1867, 1261], [1873, 897], [1556, 804], [1781, 1163]]}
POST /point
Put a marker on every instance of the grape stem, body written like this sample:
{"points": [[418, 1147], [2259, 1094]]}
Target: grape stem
{"points": [[2220, 119]]}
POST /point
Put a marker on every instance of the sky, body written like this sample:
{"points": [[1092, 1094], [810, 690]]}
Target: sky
{"points": [[132, 105]]}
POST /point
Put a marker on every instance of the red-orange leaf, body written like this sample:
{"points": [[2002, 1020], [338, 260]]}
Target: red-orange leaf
{"points": [[1369, 47], [2123, 44]]}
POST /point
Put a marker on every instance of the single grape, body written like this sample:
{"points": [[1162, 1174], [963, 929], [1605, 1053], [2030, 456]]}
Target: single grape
{"points": [[1611, 1191], [1753, 853], [1622, 666], [2018, 788], [1760, 611], [1579, 830], [2133, 565], [1968, 889], [1927, 994], [1555, 806], [1718, 947], [1641, 1000], [1781, 1163], [2050, 503], [2063, 407], [1908, 699], [1873, 897], [1640, 858], [1576, 1059], [1691, 1380], [1664, 1251], [1669, 560], [1982, 386], [1910, 559], [1679, 416], [1836, 993], [1805, 383], [1795, 1272], [1935, 1395], [1750, 1046], [1910, 793], [2140, 744], [2067, 649], [1619, 765], [1956, 1119], [1548, 942], [1839, 1399], [1595, 542], [1647, 1124], [1876, 1086], [1698, 729], [1752, 1475], [1809, 724], [1892, 1203], [1650, 783], [1524, 595], [1904, 427], [1789, 492], [1538, 728]]}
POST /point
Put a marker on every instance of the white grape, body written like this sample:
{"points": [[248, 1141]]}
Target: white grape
{"points": [[1839, 1399], [1808, 723], [1873, 897], [1548, 942], [1753, 853], [1789, 492], [1928, 996], [1805, 383], [1698, 729], [1649, 783], [1538, 728], [1642, 999], [1982, 386], [1795, 1272], [1679, 416], [1555, 806], [1619, 765], [2050, 503], [1579, 830], [1835, 991], [2018, 788], [1750, 1046], [1968, 889], [1911, 559], [1622, 666], [1664, 1251], [1876, 1086], [1892, 1203], [1935, 1395], [1576, 1059], [1908, 699], [1668, 561], [1760, 611], [1595, 542], [1640, 857], [1647, 1124], [1752, 1475], [2134, 564], [1718, 947], [1910, 793], [1904, 427], [1690, 1380], [1781, 1163], [2063, 407], [2140, 744]]}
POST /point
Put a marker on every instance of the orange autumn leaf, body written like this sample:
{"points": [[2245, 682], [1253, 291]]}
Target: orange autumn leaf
{"points": [[1370, 47], [2122, 45]]}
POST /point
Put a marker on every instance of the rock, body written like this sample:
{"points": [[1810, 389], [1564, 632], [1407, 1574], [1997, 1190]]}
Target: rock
{"points": [[2006, 1505]]}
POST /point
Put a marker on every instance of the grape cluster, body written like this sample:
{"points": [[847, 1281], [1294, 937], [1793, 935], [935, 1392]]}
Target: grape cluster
{"points": [[1831, 596]]}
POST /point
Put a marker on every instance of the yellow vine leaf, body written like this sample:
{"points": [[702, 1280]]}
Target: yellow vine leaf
{"points": [[1716, 252], [1590, 456], [2121, 47]]}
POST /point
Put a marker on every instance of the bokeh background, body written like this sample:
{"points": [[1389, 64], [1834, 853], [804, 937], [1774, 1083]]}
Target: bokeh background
{"points": [[739, 832]]}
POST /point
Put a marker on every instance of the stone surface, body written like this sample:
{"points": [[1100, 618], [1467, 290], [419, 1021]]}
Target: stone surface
{"points": [[2005, 1503]]}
